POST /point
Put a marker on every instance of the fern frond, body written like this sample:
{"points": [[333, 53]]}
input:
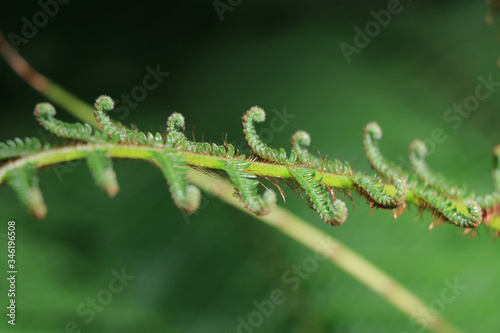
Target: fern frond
{"points": [[447, 210], [18, 147], [377, 195], [116, 133], [332, 213], [385, 168], [173, 166], [256, 114], [24, 181], [45, 113], [246, 188], [418, 151], [175, 137], [101, 168], [301, 141]]}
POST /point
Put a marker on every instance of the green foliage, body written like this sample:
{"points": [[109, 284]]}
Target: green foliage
{"points": [[175, 137], [24, 181], [385, 168], [256, 114], [186, 196], [105, 104], [246, 187], [377, 195], [17, 147], [418, 151], [334, 214], [101, 168], [45, 112], [316, 177], [301, 140]]}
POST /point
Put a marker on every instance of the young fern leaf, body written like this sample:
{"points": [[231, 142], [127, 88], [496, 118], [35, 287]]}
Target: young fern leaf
{"points": [[102, 105], [24, 181], [105, 104], [376, 194], [246, 187], [319, 198], [256, 114], [175, 137], [385, 168], [101, 169], [18, 148], [445, 209], [301, 141], [186, 197], [418, 151], [45, 112]]}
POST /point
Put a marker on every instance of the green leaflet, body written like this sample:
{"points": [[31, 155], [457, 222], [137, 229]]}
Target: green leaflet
{"points": [[445, 209], [376, 194], [175, 137], [319, 198], [105, 104], [385, 168], [301, 140], [24, 181], [101, 168], [186, 197], [18, 148], [45, 112], [418, 151], [256, 114], [246, 187]]}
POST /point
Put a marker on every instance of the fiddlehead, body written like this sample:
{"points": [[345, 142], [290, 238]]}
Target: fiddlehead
{"points": [[105, 104], [246, 188], [418, 151], [447, 210], [385, 168], [45, 112], [301, 141], [332, 213], [175, 137], [377, 195], [258, 147]]}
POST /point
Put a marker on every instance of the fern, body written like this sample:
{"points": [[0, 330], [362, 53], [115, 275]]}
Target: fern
{"points": [[316, 177], [24, 181], [18, 148], [258, 147], [318, 197], [175, 137], [246, 187]]}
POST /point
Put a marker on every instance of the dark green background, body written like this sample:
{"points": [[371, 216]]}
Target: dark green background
{"points": [[200, 274]]}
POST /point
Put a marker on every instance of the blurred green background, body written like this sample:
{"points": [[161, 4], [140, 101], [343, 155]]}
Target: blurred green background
{"points": [[199, 274]]}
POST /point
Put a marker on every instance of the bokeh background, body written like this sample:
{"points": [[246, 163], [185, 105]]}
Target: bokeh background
{"points": [[199, 274]]}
